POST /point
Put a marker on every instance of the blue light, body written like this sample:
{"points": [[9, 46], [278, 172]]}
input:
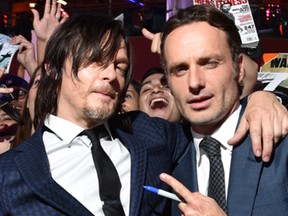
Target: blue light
{"points": [[136, 2]]}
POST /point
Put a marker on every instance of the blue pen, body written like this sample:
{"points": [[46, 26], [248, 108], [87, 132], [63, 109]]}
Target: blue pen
{"points": [[162, 193]]}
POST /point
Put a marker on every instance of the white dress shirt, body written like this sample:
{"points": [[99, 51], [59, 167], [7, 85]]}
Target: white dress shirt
{"points": [[72, 166], [223, 134]]}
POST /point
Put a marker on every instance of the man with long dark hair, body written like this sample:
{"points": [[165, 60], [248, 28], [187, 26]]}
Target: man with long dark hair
{"points": [[84, 158]]}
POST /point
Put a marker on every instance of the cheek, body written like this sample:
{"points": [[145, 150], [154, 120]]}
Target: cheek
{"points": [[176, 89], [120, 83], [142, 102], [128, 101], [32, 95], [135, 103]]}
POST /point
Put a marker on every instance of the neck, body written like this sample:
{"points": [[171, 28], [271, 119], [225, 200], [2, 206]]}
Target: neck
{"points": [[210, 128]]}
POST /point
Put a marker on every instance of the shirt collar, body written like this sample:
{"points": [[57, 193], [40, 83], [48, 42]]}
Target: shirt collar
{"points": [[62, 128], [71, 131], [222, 134]]}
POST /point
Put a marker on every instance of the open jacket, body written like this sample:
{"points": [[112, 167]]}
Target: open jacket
{"points": [[255, 188], [27, 187]]}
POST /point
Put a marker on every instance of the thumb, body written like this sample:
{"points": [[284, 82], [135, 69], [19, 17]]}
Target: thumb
{"points": [[36, 16], [240, 132]]}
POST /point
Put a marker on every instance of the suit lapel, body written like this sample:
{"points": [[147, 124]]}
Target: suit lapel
{"points": [[244, 178], [32, 163], [185, 170], [138, 153], [243, 182], [138, 172]]}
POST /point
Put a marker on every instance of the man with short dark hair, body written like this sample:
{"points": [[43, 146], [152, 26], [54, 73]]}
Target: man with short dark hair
{"points": [[84, 158], [201, 51], [155, 96]]}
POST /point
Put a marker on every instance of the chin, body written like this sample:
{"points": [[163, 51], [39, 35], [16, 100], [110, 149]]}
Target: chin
{"points": [[99, 113]]}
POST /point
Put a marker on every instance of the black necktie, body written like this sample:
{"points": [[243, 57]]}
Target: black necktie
{"points": [[216, 188], [109, 181]]}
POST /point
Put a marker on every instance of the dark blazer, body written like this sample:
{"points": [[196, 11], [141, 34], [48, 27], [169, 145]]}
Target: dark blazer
{"points": [[255, 188], [27, 187]]}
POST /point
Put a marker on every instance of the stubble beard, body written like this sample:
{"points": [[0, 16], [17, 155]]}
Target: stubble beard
{"points": [[99, 114]]}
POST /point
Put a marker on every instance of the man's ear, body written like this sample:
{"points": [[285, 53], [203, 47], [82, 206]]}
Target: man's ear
{"points": [[241, 73]]}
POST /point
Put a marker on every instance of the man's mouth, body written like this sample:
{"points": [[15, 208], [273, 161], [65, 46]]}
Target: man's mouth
{"points": [[158, 103], [200, 102]]}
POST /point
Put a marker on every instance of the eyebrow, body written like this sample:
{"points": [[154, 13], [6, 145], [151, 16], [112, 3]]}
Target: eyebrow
{"points": [[145, 83], [200, 60], [122, 60], [174, 66]]}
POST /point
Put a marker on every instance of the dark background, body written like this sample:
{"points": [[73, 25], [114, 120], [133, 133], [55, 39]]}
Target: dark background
{"points": [[270, 16]]}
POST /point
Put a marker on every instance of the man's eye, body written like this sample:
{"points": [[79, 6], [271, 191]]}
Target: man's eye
{"points": [[144, 90], [166, 86], [178, 72], [121, 68], [211, 64]]}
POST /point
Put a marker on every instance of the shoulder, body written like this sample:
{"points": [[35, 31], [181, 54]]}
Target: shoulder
{"points": [[282, 146], [140, 123], [29, 145], [150, 131]]}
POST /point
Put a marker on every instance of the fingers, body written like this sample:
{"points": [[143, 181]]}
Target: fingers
{"points": [[156, 43], [23, 43], [277, 131], [58, 12], [155, 38], [282, 116], [147, 34], [53, 9], [26, 53], [274, 127], [285, 125], [47, 6], [267, 133], [176, 185], [64, 18], [4, 90], [240, 132], [255, 136], [36, 16], [2, 70], [267, 121], [18, 39], [195, 203], [25, 46]]}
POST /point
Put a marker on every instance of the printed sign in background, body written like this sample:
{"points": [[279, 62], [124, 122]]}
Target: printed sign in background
{"points": [[7, 52], [274, 73]]}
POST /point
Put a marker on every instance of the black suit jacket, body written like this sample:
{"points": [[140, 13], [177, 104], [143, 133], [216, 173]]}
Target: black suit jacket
{"points": [[255, 188], [27, 187]]}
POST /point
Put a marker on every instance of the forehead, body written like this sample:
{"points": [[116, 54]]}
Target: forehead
{"points": [[153, 77], [195, 39], [122, 52], [2, 113], [131, 89]]}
